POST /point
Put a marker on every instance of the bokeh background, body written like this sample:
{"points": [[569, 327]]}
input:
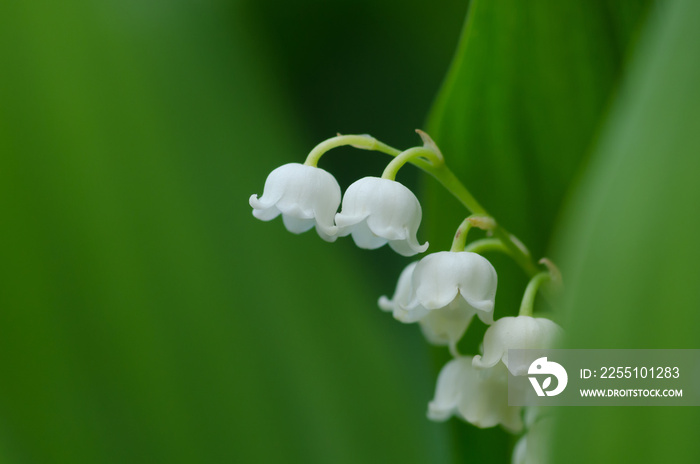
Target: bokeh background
{"points": [[146, 316]]}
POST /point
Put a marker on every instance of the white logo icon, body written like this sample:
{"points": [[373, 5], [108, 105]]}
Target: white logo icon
{"points": [[542, 366]]}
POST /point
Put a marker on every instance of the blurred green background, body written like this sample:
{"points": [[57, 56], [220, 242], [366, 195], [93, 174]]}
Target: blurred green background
{"points": [[146, 316]]}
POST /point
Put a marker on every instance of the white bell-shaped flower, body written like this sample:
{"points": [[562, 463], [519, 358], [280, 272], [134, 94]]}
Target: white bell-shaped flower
{"points": [[306, 196], [444, 326], [378, 211], [460, 282], [479, 396], [516, 333]]}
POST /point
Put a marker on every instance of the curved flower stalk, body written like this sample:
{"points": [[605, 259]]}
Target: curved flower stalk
{"points": [[305, 196], [479, 396], [378, 211], [444, 326], [521, 332]]}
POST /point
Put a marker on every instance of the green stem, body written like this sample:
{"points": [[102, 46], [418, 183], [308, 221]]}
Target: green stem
{"points": [[528, 303], [487, 244], [458, 190], [460, 239], [454, 351], [364, 142], [436, 168], [453, 185], [419, 156]]}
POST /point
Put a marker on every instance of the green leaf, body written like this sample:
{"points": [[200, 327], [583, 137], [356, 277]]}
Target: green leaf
{"points": [[629, 242], [522, 101], [515, 118]]}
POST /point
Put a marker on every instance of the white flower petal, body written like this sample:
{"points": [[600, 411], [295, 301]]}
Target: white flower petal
{"points": [[402, 295], [440, 277], [449, 389], [534, 447], [519, 451], [441, 326], [488, 404], [516, 333], [374, 209], [297, 225], [403, 290], [328, 237], [444, 314], [445, 326], [385, 304], [486, 316], [479, 396], [365, 238], [409, 246], [300, 193], [263, 211], [411, 315]]}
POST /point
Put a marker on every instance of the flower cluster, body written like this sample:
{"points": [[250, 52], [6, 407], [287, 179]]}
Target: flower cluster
{"points": [[443, 291], [375, 211]]}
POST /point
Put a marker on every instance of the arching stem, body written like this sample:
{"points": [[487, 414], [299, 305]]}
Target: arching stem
{"points": [[528, 303]]}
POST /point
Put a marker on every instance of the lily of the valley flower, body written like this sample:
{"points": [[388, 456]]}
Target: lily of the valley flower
{"points": [[479, 396], [443, 292], [442, 327], [306, 196], [521, 333], [378, 211], [454, 281]]}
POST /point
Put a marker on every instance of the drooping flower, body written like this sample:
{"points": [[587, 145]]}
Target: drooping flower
{"points": [[441, 326], [306, 196], [378, 211], [455, 281], [479, 396], [516, 333]]}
